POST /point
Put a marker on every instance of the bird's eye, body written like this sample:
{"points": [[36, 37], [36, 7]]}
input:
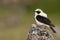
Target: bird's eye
{"points": [[38, 12]]}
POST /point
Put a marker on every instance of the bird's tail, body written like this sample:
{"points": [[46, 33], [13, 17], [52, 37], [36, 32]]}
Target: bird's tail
{"points": [[52, 25], [52, 29]]}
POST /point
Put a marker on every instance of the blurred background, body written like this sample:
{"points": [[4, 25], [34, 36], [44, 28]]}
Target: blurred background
{"points": [[16, 17]]}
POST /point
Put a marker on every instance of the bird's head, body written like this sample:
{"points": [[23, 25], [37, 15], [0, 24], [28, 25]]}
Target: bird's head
{"points": [[38, 11]]}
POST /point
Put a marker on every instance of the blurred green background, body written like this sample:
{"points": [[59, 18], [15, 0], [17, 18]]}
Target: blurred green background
{"points": [[16, 17]]}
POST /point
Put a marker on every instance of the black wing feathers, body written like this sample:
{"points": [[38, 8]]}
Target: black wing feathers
{"points": [[43, 20]]}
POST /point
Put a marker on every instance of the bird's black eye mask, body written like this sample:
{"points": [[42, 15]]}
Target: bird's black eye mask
{"points": [[38, 12]]}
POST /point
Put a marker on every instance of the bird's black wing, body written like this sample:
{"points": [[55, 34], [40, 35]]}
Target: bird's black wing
{"points": [[43, 20]]}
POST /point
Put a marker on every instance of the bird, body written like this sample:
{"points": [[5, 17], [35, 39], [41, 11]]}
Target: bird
{"points": [[42, 19]]}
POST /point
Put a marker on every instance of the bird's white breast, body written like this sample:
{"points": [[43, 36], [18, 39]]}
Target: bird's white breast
{"points": [[38, 23]]}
